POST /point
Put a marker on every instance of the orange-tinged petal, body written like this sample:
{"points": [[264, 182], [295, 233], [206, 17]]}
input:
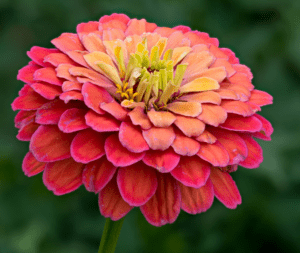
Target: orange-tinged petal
{"points": [[67, 42], [203, 97], [93, 57], [159, 138], [212, 114], [189, 126], [179, 53], [224, 63], [139, 118], [207, 137], [113, 34], [92, 43], [136, 27], [200, 84], [218, 73], [62, 71], [238, 107], [240, 123], [260, 98], [161, 118], [31, 166], [191, 109], [185, 146]]}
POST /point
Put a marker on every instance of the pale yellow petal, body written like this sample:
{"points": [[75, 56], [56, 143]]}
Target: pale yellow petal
{"points": [[200, 84], [179, 53]]}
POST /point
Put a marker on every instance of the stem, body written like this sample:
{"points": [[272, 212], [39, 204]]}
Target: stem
{"points": [[110, 235]]}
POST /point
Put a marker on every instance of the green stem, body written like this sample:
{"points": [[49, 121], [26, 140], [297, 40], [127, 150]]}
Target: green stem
{"points": [[110, 235]]}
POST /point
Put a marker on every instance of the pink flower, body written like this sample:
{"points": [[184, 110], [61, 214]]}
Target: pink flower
{"points": [[146, 116]]}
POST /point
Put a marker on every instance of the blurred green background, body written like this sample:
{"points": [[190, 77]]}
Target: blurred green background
{"points": [[265, 36]]}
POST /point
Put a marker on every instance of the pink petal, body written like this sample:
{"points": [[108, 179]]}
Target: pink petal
{"points": [[111, 203], [191, 171], [164, 31], [97, 174], [101, 123], [25, 74], [87, 146], [46, 90], [260, 98], [212, 114], [185, 146], [233, 143], [86, 28], [72, 120], [115, 109], [137, 183], [255, 153], [37, 54], [71, 95], [243, 69], [206, 137], [238, 107], [159, 138], [199, 200], [131, 138], [31, 166], [62, 71], [115, 16], [189, 126], [227, 94], [68, 86], [49, 144], [217, 52], [203, 97], [225, 188], [59, 58], [27, 130], [63, 176], [139, 118], [118, 155], [241, 79], [241, 91], [68, 42], [136, 27], [161, 118], [94, 96], [224, 63], [29, 100], [150, 27], [77, 56], [215, 154], [23, 117], [114, 34], [266, 129], [164, 206], [240, 123], [164, 161], [92, 42], [232, 58], [47, 75], [182, 28]]}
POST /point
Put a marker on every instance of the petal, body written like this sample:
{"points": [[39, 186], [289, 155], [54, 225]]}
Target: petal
{"points": [[206, 137], [111, 203], [113, 34], [31, 166], [92, 43], [49, 144], [59, 58], [266, 130], [214, 153], [200, 84], [23, 117], [97, 174], [240, 123], [115, 109], [68, 42], [71, 95], [139, 118], [185, 146], [241, 79], [86, 28], [47, 75], [217, 52], [161, 118], [94, 96], [47, 91], [87, 146], [27, 130], [224, 63], [118, 155], [164, 161], [243, 69], [77, 56], [29, 100], [233, 143], [164, 206], [62, 71], [198, 200], [238, 107], [26, 73], [115, 16], [191, 109], [232, 58], [212, 114], [68, 86], [137, 183], [189, 126], [217, 73], [37, 54], [159, 138], [203, 97], [101, 123], [241, 91], [192, 171], [227, 94], [255, 153], [63, 176], [131, 138], [260, 98], [136, 27], [225, 188], [72, 120]]}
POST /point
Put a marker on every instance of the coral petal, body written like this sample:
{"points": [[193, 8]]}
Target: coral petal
{"points": [[26, 73], [185, 146], [63, 176], [139, 118], [200, 84], [27, 130], [62, 71], [131, 138], [214, 153], [31, 166], [23, 117], [136, 27], [115, 109], [101, 123], [260, 98], [46, 148], [240, 123], [164, 206], [203, 97], [266, 129], [206, 137], [199, 200], [189, 126], [72, 120], [225, 188], [159, 138], [255, 153], [212, 114], [67, 42], [92, 43], [37, 54], [192, 171], [238, 107], [47, 75], [161, 118], [111, 203], [97, 174], [68, 86], [118, 155], [71, 95], [59, 58], [48, 91], [137, 183], [191, 109]]}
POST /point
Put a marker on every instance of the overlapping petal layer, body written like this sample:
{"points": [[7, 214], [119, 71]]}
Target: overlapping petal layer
{"points": [[145, 116]]}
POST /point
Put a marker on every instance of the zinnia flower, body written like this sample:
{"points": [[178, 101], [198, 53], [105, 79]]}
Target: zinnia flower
{"points": [[145, 116]]}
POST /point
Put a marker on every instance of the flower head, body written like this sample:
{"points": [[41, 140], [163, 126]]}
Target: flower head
{"points": [[145, 116]]}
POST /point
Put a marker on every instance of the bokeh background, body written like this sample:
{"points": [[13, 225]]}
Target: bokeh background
{"points": [[265, 36]]}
